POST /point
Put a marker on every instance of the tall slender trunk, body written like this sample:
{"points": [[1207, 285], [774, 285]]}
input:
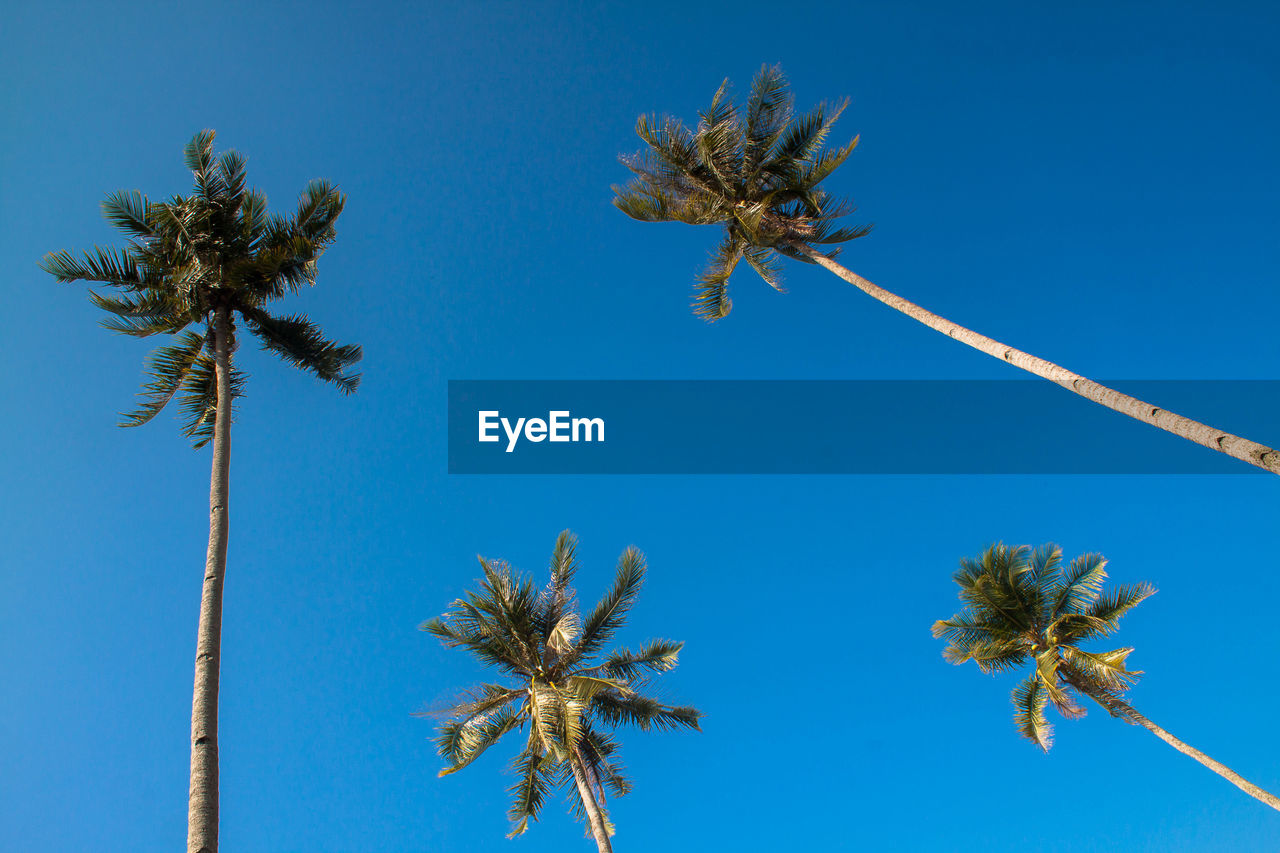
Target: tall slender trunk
{"points": [[1233, 445], [202, 805], [1119, 708], [596, 820]]}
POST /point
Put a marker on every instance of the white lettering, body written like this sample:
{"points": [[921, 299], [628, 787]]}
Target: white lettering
{"points": [[486, 425], [558, 426], [512, 434], [587, 424]]}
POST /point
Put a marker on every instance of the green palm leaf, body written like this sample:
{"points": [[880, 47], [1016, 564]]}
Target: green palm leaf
{"points": [[1029, 701], [301, 343], [462, 742], [170, 367], [535, 779], [610, 614]]}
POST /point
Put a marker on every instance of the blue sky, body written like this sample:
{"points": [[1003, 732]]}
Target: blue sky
{"points": [[1094, 183]]}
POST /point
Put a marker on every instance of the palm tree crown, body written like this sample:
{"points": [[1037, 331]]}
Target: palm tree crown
{"points": [[1025, 606], [558, 685], [217, 251], [754, 170]]}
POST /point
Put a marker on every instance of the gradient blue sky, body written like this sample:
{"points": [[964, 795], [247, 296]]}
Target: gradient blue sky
{"points": [[1095, 183]]}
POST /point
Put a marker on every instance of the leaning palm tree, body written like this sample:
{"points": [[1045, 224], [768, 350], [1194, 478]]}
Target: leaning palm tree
{"points": [[1024, 606], [192, 266], [757, 172], [557, 685]]}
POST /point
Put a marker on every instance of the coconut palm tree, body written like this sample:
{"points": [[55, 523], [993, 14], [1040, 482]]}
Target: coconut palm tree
{"points": [[1024, 606], [558, 685], [192, 267], [757, 171]]}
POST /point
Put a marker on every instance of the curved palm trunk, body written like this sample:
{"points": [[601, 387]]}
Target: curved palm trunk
{"points": [[1233, 445], [596, 820], [1221, 769], [202, 805], [1119, 708]]}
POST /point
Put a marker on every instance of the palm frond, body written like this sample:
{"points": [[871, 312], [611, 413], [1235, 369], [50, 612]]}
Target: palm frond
{"points": [[198, 157], [819, 168], [1108, 607], [318, 208], [557, 623], [1101, 617], [253, 218], [802, 141], [480, 700], [112, 266], [169, 367], [301, 343], [762, 261], [647, 204], [461, 742], [1078, 584], [480, 640], [655, 656], [128, 211], [611, 612], [535, 778], [231, 169], [148, 313], [672, 143], [617, 709], [769, 108], [966, 627], [1029, 701], [719, 142], [992, 655], [198, 153], [1107, 669], [712, 301]]}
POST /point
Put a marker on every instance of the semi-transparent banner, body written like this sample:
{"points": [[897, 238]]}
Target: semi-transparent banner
{"points": [[842, 427]]}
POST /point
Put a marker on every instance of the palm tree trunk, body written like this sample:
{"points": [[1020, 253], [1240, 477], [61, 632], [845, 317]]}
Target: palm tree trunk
{"points": [[1119, 708], [598, 828], [1215, 439], [1221, 769], [202, 806]]}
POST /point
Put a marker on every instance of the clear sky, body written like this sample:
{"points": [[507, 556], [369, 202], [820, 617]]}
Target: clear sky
{"points": [[1095, 183]]}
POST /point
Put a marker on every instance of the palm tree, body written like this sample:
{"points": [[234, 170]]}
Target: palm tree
{"points": [[1023, 606], [557, 684], [757, 172], [200, 261]]}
